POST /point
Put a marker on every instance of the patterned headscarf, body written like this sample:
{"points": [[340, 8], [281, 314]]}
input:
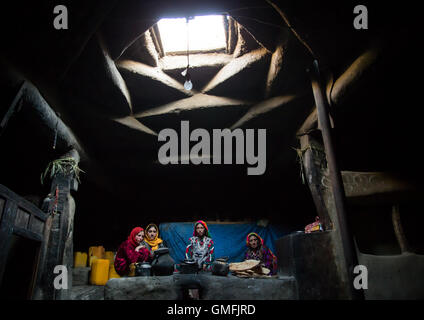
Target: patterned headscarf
{"points": [[203, 223], [132, 235], [154, 244], [257, 236]]}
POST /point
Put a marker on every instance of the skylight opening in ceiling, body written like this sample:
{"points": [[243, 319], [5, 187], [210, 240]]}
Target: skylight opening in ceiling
{"points": [[205, 33]]}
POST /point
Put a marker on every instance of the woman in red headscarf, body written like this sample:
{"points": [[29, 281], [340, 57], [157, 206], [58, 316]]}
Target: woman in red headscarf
{"points": [[131, 251], [201, 247], [256, 250]]}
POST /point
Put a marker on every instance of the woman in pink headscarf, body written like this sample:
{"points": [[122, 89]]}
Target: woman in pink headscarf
{"points": [[256, 250], [131, 251]]}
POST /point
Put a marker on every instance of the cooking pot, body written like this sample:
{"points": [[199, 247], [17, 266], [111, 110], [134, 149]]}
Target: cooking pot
{"points": [[189, 266], [220, 268], [143, 269], [161, 251], [162, 264]]}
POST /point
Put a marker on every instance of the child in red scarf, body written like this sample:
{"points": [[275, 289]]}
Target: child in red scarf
{"points": [[130, 251]]}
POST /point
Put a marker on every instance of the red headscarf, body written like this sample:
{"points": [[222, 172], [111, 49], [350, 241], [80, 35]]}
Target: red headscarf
{"points": [[203, 223], [134, 232], [256, 235]]}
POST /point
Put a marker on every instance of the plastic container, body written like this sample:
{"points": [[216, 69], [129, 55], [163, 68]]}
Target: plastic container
{"points": [[80, 259], [99, 272]]}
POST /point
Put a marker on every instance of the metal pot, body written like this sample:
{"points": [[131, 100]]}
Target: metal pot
{"points": [[189, 266], [161, 251], [220, 268], [143, 269], [162, 264]]}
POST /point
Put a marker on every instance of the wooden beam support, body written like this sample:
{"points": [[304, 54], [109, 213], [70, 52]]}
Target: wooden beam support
{"points": [[314, 164], [15, 106], [363, 184], [344, 86], [400, 234], [59, 248], [349, 252]]}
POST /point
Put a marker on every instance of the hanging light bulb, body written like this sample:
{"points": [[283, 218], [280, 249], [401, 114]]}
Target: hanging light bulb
{"points": [[188, 85]]}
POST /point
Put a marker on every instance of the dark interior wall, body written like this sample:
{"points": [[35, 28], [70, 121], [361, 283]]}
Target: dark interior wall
{"points": [[18, 277], [412, 221], [373, 229], [378, 126], [377, 129], [25, 153]]}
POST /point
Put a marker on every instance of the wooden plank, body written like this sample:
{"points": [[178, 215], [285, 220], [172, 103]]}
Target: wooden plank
{"points": [[22, 203], [6, 229], [27, 234], [361, 184], [2, 202], [40, 286], [36, 225], [33, 209], [34, 278], [22, 218]]}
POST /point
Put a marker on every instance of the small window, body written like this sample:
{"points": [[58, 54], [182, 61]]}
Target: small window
{"points": [[206, 33]]}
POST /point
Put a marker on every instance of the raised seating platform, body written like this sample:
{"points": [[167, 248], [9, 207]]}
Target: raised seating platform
{"points": [[176, 287]]}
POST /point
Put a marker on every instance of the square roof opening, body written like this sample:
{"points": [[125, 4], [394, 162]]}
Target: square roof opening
{"points": [[205, 33]]}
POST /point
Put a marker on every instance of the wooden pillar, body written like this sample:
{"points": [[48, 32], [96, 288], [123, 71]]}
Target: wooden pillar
{"points": [[314, 163], [14, 107], [348, 248], [400, 234], [59, 247]]}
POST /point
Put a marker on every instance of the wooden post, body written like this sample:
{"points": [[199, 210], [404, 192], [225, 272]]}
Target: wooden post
{"points": [[400, 235], [59, 248], [349, 251], [313, 161], [15, 106]]}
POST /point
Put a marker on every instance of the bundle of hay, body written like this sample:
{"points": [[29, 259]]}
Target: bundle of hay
{"points": [[249, 269]]}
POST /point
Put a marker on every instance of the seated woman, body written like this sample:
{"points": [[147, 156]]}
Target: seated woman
{"points": [[256, 250], [131, 251], [151, 238], [201, 247]]}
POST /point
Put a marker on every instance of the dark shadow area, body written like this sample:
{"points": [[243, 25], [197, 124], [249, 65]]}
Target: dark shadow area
{"points": [[372, 229], [20, 268], [412, 221]]}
